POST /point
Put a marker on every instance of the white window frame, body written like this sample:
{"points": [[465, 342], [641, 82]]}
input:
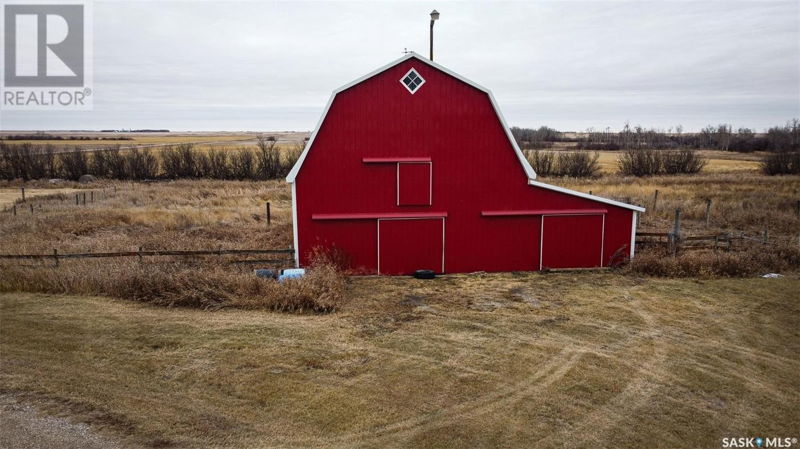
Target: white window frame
{"points": [[430, 183], [412, 69]]}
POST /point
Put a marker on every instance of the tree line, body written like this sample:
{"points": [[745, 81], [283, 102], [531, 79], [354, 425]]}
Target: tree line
{"points": [[721, 137], [265, 161], [632, 162]]}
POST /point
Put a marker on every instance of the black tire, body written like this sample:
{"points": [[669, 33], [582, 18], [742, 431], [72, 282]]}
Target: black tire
{"points": [[424, 274]]}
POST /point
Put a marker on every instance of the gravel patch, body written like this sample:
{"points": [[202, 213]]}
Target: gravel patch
{"points": [[23, 427]]}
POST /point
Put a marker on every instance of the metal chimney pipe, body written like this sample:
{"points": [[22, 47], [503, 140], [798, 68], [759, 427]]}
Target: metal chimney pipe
{"points": [[434, 18]]}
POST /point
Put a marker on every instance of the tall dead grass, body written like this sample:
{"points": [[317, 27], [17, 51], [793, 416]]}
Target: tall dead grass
{"points": [[179, 215], [181, 284], [755, 260]]}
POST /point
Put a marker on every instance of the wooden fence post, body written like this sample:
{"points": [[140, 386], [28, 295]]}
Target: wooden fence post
{"points": [[708, 210], [766, 235], [92, 196], [23, 194], [15, 210], [140, 254], [675, 235], [77, 199], [55, 255], [84, 198], [31, 205], [269, 214], [655, 200]]}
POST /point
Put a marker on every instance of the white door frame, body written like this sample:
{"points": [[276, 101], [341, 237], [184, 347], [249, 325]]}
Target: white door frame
{"points": [[602, 234], [378, 221]]}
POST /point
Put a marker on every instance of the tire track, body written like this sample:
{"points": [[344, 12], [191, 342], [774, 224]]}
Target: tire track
{"points": [[434, 361], [555, 368], [635, 395]]}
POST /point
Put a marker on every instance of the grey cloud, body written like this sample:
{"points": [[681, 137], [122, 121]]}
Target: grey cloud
{"points": [[571, 65]]}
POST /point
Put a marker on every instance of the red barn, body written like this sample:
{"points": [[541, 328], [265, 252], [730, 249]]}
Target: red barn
{"points": [[413, 167]]}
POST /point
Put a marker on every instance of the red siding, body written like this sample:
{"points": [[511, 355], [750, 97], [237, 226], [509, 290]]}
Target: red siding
{"points": [[572, 241], [409, 245], [475, 169], [358, 239]]}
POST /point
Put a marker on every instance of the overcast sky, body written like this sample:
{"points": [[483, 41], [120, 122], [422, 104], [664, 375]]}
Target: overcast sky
{"points": [[570, 65]]}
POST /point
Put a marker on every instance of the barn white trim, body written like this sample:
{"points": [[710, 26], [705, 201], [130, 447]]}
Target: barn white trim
{"points": [[633, 232], [412, 69], [294, 227], [430, 183], [524, 162]]}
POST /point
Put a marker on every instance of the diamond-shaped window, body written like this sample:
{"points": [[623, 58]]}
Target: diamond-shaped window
{"points": [[412, 81]]}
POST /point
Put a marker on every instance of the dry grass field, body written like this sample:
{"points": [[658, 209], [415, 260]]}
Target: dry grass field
{"points": [[8, 196], [718, 161], [506, 360], [605, 359], [156, 139], [163, 215], [740, 201]]}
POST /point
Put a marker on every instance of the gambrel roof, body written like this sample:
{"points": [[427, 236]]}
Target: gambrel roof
{"points": [[529, 172]]}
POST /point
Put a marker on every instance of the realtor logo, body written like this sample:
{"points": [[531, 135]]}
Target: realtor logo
{"points": [[45, 61], [44, 45]]}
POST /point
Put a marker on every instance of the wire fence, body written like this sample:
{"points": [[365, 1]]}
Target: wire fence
{"points": [[277, 256]]}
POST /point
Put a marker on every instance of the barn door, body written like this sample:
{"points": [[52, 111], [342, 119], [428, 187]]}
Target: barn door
{"points": [[407, 245], [571, 241]]}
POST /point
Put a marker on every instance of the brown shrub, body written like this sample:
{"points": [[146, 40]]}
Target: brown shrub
{"points": [[752, 261], [577, 164], [782, 163]]}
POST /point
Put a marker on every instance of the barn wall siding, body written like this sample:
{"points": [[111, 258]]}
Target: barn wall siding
{"points": [[474, 165]]}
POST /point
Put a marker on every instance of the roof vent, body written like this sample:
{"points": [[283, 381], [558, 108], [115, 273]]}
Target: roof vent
{"points": [[412, 81]]}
